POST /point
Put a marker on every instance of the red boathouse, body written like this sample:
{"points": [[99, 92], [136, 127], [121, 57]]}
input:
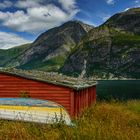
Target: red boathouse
{"points": [[73, 94]]}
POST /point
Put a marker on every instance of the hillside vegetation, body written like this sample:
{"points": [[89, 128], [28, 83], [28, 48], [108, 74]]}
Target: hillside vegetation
{"points": [[106, 50], [103, 121], [109, 51], [7, 55], [54, 44]]}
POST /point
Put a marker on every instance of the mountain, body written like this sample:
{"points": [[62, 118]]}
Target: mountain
{"points": [[7, 55], [49, 51], [128, 20], [111, 50], [74, 48]]}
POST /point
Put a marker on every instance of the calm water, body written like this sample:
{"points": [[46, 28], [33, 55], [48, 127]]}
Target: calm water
{"points": [[120, 89]]}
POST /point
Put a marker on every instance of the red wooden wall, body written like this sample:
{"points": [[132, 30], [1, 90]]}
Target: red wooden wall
{"points": [[84, 98], [12, 86], [74, 101]]}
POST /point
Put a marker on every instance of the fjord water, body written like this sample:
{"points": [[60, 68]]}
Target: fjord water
{"points": [[118, 89]]}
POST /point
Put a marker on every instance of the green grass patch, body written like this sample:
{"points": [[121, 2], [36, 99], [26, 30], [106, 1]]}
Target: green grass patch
{"points": [[103, 121], [126, 39], [7, 55], [52, 64]]}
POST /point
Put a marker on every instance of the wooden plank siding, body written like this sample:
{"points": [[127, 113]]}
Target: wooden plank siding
{"points": [[12, 86], [73, 100], [84, 98]]}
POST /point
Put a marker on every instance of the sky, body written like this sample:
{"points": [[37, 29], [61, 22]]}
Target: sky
{"points": [[22, 21]]}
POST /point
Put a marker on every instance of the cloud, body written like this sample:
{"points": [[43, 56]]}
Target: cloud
{"points": [[89, 23], [9, 40], [136, 4], [137, 1], [110, 2], [5, 4], [126, 9], [28, 3], [68, 5], [106, 17], [38, 16]]}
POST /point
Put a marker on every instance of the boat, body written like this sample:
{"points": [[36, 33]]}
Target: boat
{"points": [[33, 110]]}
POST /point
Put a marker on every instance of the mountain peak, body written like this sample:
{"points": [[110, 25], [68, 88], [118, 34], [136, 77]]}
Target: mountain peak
{"points": [[53, 45], [137, 9], [86, 27], [110, 50], [128, 20]]}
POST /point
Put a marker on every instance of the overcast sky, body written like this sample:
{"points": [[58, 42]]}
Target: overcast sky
{"points": [[21, 21]]}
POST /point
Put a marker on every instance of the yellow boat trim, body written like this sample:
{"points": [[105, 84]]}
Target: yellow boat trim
{"points": [[31, 108]]}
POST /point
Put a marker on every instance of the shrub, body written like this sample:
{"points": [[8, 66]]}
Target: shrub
{"points": [[24, 94]]}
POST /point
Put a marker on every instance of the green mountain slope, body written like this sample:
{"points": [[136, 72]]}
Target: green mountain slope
{"points": [[109, 50], [128, 20], [74, 48], [7, 55], [51, 48]]}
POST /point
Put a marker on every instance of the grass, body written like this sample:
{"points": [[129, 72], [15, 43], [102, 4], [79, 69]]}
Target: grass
{"points": [[133, 106], [103, 121], [9, 54], [126, 39], [52, 64]]}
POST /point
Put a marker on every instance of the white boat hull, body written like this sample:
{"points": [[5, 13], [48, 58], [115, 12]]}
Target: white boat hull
{"points": [[41, 114]]}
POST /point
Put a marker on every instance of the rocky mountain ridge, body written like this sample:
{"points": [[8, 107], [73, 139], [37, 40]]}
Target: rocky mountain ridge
{"points": [[55, 44], [77, 49], [110, 49]]}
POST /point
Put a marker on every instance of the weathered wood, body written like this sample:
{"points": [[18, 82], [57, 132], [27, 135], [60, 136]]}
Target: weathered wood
{"points": [[73, 100]]}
